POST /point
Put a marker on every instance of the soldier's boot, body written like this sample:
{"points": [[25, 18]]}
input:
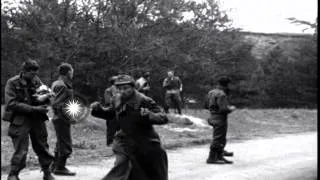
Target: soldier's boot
{"points": [[213, 158], [54, 163], [13, 175], [47, 175], [221, 158], [61, 168], [226, 153]]}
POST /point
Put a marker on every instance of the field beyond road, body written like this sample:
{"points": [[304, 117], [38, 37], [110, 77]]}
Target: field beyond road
{"points": [[244, 124]]}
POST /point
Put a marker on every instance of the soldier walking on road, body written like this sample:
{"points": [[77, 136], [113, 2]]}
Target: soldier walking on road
{"points": [[27, 116], [62, 124], [137, 146], [173, 87], [218, 103]]}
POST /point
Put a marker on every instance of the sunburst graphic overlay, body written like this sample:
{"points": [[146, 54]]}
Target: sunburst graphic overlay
{"points": [[73, 108]]}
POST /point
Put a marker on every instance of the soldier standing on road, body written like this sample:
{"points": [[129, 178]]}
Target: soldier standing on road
{"points": [[62, 124], [173, 87], [143, 85], [218, 103], [138, 149], [27, 117]]}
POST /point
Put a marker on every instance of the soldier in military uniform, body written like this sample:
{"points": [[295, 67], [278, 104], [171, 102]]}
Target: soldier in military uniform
{"points": [[143, 85], [173, 87], [138, 150], [109, 94], [62, 124], [27, 117], [218, 103]]}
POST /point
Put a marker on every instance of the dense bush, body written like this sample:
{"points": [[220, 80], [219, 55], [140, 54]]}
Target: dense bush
{"points": [[105, 38]]}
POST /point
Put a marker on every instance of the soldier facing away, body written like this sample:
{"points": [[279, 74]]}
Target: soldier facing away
{"points": [[173, 87], [62, 124], [27, 116], [138, 149], [217, 102]]}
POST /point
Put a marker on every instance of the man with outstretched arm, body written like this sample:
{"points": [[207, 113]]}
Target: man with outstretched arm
{"points": [[137, 146]]}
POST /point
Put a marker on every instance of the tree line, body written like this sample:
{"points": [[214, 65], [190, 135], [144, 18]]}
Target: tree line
{"points": [[102, 38]]}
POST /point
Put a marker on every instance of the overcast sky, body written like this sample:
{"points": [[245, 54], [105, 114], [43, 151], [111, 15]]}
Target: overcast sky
{"points": [[270, 15]]}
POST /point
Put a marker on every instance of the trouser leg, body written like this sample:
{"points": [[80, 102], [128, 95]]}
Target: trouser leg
{"points": [[63, 147], [167, 102], [219, 137], [176, 99], [39, 135], [20, 139]]}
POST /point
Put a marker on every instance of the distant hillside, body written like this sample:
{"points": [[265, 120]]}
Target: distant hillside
{"points": [[264, 42]]}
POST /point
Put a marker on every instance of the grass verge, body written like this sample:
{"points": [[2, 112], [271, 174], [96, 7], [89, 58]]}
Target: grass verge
{"points": [[89, 141]]}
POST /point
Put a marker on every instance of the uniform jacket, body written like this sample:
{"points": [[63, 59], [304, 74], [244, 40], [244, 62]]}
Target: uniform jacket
{"points": [[131, 124], [172, 84], [217, 102], [63, 92], [19, 100]]}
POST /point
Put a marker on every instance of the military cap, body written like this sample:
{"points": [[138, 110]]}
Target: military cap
{"points": [[124, 79], [112, 79], [30, 65]]}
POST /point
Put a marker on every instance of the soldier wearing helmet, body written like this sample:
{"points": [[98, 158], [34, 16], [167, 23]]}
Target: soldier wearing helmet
{"points": [[217, 102], [137, 146]]}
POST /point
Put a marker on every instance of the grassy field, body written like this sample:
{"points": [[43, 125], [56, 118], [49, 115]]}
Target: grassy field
{"points": [[89, 136]]}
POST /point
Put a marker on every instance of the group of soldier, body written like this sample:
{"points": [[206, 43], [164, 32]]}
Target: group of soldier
{"points": [[129, 113]]}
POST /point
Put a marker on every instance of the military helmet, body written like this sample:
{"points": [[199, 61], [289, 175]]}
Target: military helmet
{"points": [[124, 79]]}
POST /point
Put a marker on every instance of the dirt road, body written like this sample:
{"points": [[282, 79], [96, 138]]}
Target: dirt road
{"points": [[290, 157]]}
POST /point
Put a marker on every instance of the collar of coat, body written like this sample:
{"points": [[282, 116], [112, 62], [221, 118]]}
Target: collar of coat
{"points": [[134, 101], [35, 81]]}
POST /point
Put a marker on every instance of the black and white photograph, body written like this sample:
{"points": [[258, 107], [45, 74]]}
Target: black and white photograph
{"points": [[159, 90]]}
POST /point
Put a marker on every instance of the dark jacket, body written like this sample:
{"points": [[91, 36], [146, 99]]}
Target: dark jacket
{"points": [[19, 100], [217, 102], [129, 121], [63, 92], [139, 154], [172, 84]]}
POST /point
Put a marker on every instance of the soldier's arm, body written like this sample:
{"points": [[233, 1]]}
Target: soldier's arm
{"points": [[154, 114], [61, 94], [223, 104], [103, 112], [13, 102]]}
